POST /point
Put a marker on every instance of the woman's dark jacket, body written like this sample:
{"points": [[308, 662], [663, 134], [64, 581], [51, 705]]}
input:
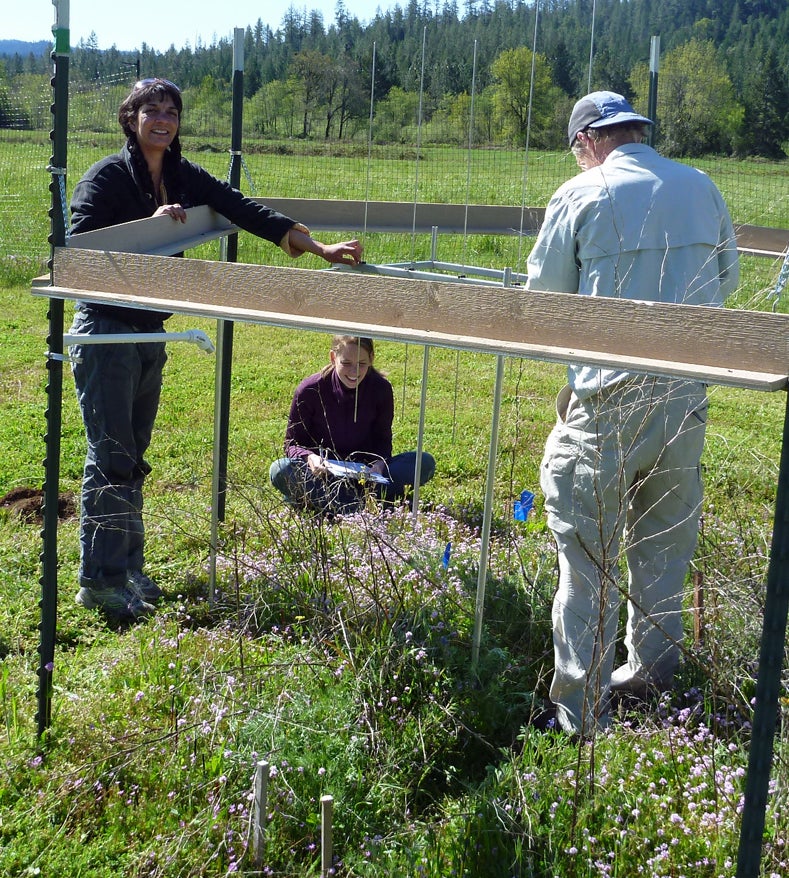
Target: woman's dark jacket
{"points": [[112, 192]]}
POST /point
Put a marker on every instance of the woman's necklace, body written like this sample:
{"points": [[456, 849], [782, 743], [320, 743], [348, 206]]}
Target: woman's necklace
{"points": [[159, 191]]}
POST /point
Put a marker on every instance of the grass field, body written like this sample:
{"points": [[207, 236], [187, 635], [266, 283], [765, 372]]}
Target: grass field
{"points": [[340, 653], [756, 191]]}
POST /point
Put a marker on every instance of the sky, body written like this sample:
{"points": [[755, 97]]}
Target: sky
{"points": [[162, 24]]}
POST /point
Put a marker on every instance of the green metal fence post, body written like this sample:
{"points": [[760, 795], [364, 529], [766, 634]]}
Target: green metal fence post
{"points": [[768, 681], [49, 533], [224, 328], [224, 346]]}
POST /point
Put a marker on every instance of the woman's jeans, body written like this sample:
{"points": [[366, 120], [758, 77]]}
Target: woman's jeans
{"points": [[118, 389], [293, 478]]}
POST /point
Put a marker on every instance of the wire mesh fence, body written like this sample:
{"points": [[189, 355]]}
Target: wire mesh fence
{"points": [[426, 163]]}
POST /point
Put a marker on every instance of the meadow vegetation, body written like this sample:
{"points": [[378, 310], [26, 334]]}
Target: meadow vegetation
{"points": [[754, 189], [340, 652]]}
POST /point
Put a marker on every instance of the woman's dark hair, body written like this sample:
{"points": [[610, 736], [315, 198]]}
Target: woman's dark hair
{"points": [[144, 91]]}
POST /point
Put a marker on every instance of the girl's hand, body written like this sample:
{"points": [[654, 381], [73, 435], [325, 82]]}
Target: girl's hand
{"points": [[316, 465]]}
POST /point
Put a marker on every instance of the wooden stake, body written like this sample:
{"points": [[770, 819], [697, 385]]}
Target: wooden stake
{"points": [[259, 813], [698, 607], [327, 803]]}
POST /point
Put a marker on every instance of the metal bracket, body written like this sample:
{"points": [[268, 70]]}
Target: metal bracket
{"points": [[195, 336]]}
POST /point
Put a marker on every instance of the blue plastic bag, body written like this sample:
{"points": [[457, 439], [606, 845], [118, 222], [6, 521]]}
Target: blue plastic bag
{"points": [[523, 506]]}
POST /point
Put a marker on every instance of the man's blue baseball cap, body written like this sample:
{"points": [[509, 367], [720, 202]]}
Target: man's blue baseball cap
{"points": [[601, 108]]}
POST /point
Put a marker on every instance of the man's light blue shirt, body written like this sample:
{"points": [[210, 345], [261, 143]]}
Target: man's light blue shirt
{"points": [[638, 226]]}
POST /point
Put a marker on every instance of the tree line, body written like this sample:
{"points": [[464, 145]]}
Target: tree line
{"points": [[494, 73]]}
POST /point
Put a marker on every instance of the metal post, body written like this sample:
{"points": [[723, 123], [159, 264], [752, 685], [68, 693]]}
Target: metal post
{"points": [[487, 516], [421, 434], [224, 328], [768, 681], [654, 64], [49, 532]]}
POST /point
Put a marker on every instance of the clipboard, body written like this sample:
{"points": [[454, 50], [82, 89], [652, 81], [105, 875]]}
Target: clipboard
{"points": [[349, 469]]}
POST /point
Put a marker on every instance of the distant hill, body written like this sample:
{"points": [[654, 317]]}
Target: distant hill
{"points": [[20, 47]]}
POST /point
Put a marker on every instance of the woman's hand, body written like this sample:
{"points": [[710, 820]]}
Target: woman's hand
{"points": [[174, 210], [316, 465], [348, 252]]}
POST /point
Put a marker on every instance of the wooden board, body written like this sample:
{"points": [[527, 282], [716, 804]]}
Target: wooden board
{"points": [[740, 348]]}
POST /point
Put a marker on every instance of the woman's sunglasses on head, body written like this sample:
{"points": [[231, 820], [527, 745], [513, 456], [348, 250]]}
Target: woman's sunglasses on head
{"points": [[144, 83]]}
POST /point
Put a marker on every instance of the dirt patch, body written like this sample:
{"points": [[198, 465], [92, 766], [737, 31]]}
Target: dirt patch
{"points": [[26, 503]]}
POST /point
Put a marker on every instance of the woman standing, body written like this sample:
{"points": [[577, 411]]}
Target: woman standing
{"points": [[118, 385], [344, 413]]}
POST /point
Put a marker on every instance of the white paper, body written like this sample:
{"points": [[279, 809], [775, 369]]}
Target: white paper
{"points": [[349, 469]]}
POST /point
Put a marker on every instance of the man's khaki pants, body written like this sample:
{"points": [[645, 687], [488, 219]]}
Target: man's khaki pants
{"points": [[621, 467]]}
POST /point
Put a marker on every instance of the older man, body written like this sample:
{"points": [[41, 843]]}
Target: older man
{"points": [[621, 466]]}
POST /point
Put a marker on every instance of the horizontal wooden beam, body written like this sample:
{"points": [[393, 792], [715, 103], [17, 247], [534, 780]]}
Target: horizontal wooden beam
{"points": [[740, 348]]}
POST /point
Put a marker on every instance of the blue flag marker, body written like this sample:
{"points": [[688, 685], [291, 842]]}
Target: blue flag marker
{"points": [[447, 553], [523, 506]]}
